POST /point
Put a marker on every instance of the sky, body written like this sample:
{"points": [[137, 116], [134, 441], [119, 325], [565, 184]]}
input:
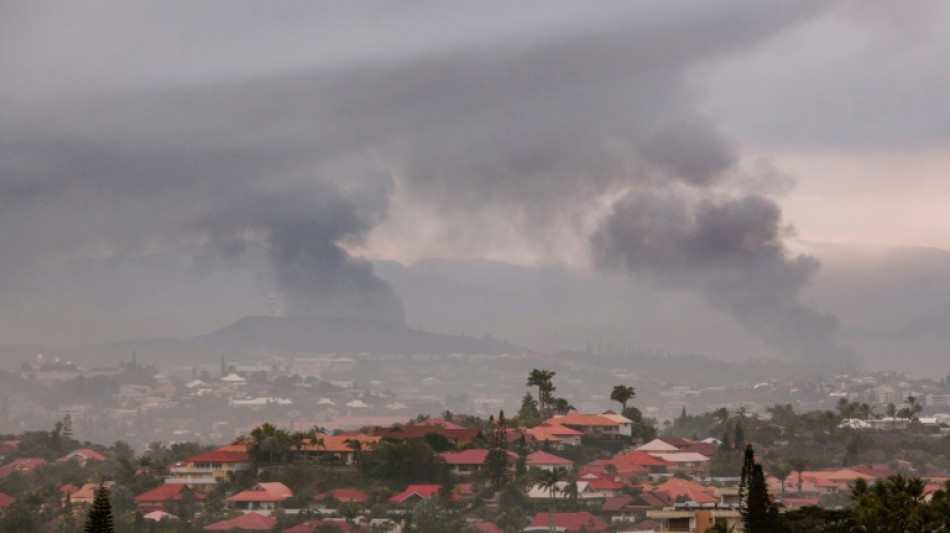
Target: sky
{"points": [[257, 148]]}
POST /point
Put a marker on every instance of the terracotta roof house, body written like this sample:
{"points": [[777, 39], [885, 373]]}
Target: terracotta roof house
{"points": [[593, 425], [681, 489], [692, 463], [634, 508], [6, 500], [585, 492], [343, 496], [340, 525], [487, 527], [414, 493], [626, 425], [465, 462], [703, 448], [338, 447], [657, 446], [158, 516], [555, 433], [547, 461], [566, 522], [679, 442], [83, 455], [87, 493], [418, 431], [637, 461], [205, 469], [22, 465], [159, 497], [261, 497], [246, 522]]}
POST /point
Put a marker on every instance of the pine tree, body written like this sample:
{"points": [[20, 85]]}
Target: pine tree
{"points": [[759, 513], [99, 519]]}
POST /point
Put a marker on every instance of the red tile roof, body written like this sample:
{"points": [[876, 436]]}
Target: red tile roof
{"points": [[582, 420], [6, 500], [263, 492], [615, 504], [247, 522], [422, 491], [311, 526], [24, 464], [83, 454], [472, 457], [572, 522], [540, 458], [164, 493], [344, 496], [691, 491], [220, 456], [419, 431]]}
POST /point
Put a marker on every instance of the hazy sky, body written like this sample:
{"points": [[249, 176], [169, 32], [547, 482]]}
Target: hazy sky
{"points": [[678, 142]]}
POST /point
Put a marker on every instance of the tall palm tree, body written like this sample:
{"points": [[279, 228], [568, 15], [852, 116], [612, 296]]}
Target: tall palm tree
{"points": [[781, 471], [542, 380], [622, 394], [551, 480], [798, 465]]}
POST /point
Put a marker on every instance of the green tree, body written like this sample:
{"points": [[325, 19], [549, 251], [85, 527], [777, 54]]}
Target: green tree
{"points": [[759, 513], [529, 415], [622, 394], [99, 519], [542, 380]]}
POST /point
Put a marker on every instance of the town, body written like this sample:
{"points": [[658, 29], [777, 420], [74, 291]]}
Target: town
{"points": [[336, 456]]}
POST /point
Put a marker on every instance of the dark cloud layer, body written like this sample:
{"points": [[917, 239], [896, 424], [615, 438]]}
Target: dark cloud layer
{"points": [[544, 118]]}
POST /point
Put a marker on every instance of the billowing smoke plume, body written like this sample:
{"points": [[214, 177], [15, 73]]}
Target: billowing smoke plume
{"points": [[730, 251], [530, 123]]}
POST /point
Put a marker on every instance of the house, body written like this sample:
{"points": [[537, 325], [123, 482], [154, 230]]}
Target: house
{"points": [[634, 508], [547, 461], [23, 465], [635, 463], [626, 425], [683, 490], [245, 522], [205, 469], [486, 527], [160, 497], [590, 425], [657, 446], [343, 496], [87, 493], [556, 434], [261, 497], [6, 500], [465, 462], [82, 455], [158, 516], [418, 431], [416, 493], [585, 492], [340, 526], [339, 449], [566, 522], [694, 464], [693, 519]]}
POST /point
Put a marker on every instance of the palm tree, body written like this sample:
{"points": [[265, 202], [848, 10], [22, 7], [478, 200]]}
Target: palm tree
{"points": [[560, 406], [798, 465], [551, 480], [357, 446], [542, 380], [781, 471], [622, 394]]}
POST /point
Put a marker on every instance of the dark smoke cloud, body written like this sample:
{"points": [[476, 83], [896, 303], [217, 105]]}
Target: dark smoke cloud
{"points": [[729, 250]]}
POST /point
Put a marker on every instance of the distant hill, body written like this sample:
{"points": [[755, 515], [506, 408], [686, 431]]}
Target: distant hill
{"points": [[253, 337]]}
